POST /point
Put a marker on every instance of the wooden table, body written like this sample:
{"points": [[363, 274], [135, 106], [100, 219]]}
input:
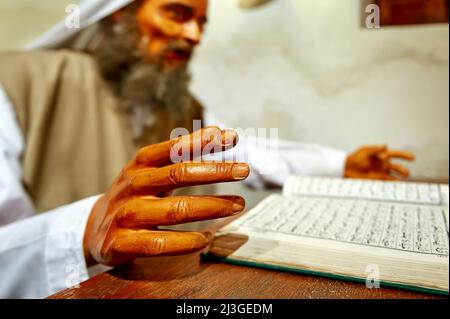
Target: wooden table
{"points": [[191, 277], [188, 277]]}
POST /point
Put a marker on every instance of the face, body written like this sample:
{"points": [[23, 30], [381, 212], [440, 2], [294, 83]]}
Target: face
{"points": [[171, 29]]}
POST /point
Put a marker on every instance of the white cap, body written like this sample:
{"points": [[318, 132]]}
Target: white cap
{"points": [[91, 11]]}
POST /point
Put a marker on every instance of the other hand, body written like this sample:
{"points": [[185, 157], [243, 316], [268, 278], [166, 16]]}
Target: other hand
{"points": [[374, 162]]}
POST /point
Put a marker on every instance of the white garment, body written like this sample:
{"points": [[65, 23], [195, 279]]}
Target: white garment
{"points": [[43, 254], [273, 160]]}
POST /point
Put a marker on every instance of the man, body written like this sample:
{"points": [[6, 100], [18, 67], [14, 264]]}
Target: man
{"points": [[76, 124]]}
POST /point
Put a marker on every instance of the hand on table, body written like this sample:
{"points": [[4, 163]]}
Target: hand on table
{"points": [[374, 162], [123, 224]]}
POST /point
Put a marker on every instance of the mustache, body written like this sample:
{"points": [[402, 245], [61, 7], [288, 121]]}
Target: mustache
{"points": [[179, 45]]}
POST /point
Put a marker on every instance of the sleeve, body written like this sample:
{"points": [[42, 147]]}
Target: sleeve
{"points": [[14, 202], [273, 160], [38, 255], [42, 255]]}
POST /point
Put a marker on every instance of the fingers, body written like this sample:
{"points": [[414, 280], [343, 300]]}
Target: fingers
{"points": [[399, 169], [408, 156], [374, 149], [152, 212], [132, 244], [188, 147], [384, 153], [160, 180]]}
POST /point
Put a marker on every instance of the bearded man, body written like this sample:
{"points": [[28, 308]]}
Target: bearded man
{"points": [[76, 123]]}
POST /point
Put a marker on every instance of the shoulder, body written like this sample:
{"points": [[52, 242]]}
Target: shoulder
{"points": [[40, 57], [25, 67]]}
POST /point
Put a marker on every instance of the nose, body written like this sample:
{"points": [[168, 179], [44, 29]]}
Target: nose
{"points": [[192, 32]]}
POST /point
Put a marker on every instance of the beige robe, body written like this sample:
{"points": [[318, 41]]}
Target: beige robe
{"points": [[77, 138]]}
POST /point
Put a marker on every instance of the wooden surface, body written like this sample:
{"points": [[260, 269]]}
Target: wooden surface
{"points": [[187, 277], [191, 277]]}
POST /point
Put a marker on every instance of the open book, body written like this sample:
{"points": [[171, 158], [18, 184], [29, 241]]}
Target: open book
{"points": [[388, 233]]}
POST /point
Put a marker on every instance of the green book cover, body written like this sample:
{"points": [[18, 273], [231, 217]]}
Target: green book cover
{"points": [[239, 262]]}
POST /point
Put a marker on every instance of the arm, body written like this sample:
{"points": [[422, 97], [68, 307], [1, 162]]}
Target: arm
{"points": [[38, 255], [14, 202], [273, 165], [272, 160], [43, 254]]}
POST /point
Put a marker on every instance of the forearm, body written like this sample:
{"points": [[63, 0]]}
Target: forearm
{"points": [[44, 254], [272, 161]]}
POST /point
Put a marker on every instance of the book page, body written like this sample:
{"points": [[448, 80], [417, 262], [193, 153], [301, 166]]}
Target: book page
{"points": [[402, 192], [408, 228]]}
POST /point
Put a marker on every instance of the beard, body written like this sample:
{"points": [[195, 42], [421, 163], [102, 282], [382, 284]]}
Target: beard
{"points": [[143, 87]]}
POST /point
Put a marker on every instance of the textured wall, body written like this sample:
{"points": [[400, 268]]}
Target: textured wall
{"points": [[22, 20], [309, 68]]}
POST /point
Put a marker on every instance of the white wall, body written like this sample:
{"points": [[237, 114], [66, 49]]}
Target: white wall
{"points": [[22, 20], [310, 69]]}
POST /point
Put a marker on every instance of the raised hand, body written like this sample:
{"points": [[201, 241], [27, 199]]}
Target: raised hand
{"points": [[374, 162], [123, 224]]}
